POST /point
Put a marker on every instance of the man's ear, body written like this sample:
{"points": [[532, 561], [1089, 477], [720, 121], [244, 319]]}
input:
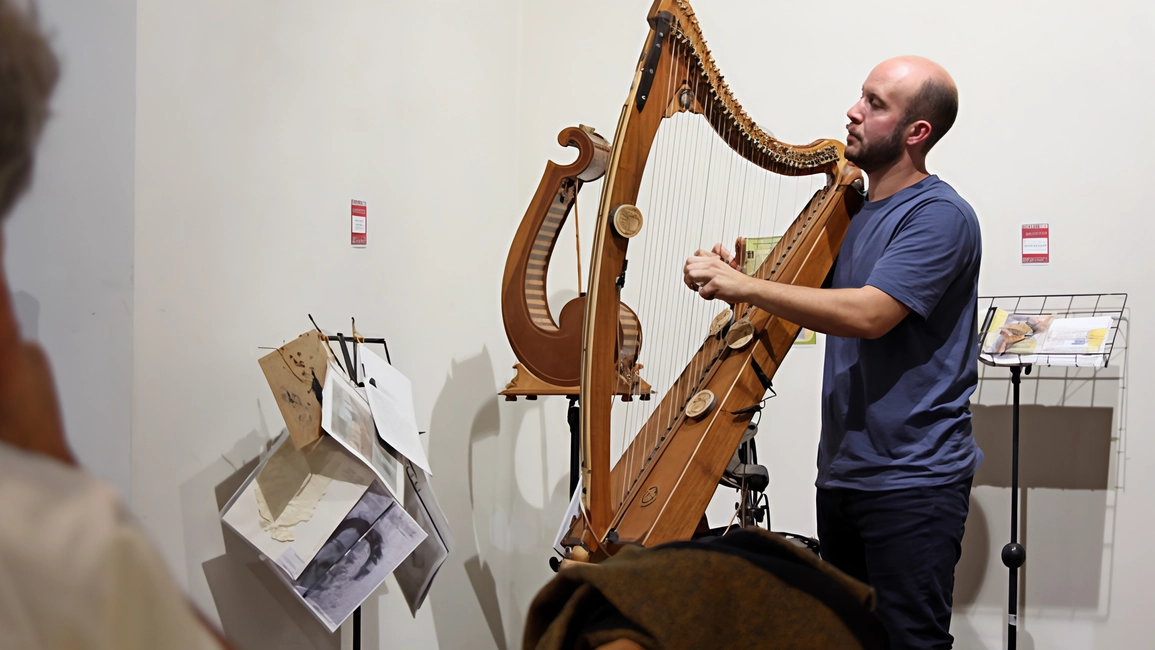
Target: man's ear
{"points": [[917, 132]]}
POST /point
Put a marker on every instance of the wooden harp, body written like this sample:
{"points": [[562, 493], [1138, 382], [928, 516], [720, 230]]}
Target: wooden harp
{"points": [[672, 451]]}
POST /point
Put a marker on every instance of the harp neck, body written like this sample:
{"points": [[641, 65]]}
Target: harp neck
{"points": [[704, 90]]}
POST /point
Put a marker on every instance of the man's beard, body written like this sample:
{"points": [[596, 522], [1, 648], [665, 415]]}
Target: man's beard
{"points": [[876, 155]]}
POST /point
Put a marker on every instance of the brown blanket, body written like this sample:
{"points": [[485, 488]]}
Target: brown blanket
{"points": [[748, 589]]}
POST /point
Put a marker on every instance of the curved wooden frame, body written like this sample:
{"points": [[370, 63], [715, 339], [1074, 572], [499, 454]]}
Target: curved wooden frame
{"points": [[549, 350], [531, 329]]}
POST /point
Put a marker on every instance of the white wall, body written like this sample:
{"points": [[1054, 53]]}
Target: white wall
{"points": [[69, 242], [258, 122]]}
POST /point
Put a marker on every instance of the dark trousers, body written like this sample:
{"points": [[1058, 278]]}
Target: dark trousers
{"points": [[905, 544]]}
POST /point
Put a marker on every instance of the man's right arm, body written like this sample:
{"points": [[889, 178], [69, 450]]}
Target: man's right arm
{"points": [[865, 312]]}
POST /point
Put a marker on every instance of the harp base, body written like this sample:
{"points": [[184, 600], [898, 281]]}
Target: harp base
{"points": [[530, 386]]}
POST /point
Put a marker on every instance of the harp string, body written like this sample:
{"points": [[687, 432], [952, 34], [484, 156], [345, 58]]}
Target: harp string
{"points": [[674, 292], [682, 238], [648, 280], [679, 196], [709, 209], [693, 175]]}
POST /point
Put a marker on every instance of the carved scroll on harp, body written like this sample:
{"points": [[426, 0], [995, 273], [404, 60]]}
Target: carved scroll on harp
{"points": [[549, 351], [662, 482]]}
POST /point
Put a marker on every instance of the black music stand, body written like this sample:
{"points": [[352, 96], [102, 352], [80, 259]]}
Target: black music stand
{"points": [[1014, 555], [351, 370]]}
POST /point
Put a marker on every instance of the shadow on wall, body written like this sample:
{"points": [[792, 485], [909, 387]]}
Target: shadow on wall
{"points": [[1060, 447], [255, 609], [465, 596], [503, 541], [1064, 470], [976, 556], [532, 527]]}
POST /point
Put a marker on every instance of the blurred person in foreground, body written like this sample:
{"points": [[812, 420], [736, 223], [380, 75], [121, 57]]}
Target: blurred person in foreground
{"points": [[75, 571]]}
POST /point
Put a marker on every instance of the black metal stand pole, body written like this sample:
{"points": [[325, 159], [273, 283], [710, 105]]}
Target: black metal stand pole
{"points": [[573, 416], [575, 444], [352, 371], [1014, 555]]}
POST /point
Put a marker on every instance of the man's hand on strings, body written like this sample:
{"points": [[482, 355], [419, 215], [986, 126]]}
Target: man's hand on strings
{"points": [[714, 274], [725, 255]]}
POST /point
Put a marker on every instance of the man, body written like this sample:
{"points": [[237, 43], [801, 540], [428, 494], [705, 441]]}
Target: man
{"points": [[896, 456], [75, 571]]}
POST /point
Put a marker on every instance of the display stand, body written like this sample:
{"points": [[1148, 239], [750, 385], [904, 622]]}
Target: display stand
{"points": [[1014, 555]]}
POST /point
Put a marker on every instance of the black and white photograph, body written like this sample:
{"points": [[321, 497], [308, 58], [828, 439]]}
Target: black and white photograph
{"points": [[365, 548]]}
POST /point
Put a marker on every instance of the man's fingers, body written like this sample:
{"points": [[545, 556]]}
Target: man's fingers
{"points": [[704, 266], [697, 275]]}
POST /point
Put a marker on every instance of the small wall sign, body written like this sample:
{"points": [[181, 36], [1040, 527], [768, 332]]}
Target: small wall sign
{"points": [[1036, 243], [359, 220]]}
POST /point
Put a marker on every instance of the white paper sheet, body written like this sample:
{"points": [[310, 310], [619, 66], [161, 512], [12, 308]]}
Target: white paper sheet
{"points": [[390, 396], [416, 573], [1077, 342], [1076, 335], [286, 474], [574, 509], [347, 417]]}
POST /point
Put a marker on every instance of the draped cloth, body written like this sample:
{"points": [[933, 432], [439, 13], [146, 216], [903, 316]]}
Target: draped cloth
{"points": [[747, 589]]}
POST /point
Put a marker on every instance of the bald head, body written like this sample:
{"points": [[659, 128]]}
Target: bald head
{"points": [[925, 88]]}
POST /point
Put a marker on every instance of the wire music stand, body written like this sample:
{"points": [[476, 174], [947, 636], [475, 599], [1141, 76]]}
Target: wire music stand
{"points": [[350, 368], [1061, 306]]}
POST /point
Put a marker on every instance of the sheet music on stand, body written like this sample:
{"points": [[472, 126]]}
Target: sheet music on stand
{"points": [[343, 499], [1074, 330]]}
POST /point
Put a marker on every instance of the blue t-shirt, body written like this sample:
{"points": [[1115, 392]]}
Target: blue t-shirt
{"points": [[896, 409]]}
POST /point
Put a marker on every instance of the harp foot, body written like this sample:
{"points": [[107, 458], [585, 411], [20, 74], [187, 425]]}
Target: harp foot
{"points": [[530, 386]]}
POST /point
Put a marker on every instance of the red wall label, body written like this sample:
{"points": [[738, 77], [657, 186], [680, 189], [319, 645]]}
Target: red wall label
{"points": [[359, 223], [1036, 243]]}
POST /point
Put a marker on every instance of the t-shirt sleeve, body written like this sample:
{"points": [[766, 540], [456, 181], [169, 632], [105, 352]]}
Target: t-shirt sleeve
{"points": [[928, 252], [77, 572]]}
